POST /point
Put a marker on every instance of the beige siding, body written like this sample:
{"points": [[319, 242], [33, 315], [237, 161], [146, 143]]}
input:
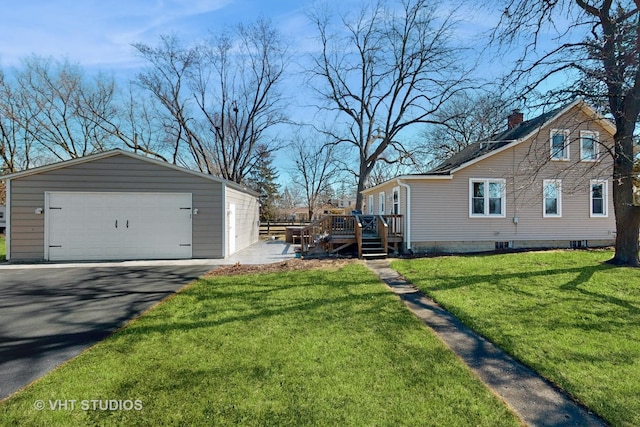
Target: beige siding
{"points": [[440, 208], [247, 218], [116, 173]]}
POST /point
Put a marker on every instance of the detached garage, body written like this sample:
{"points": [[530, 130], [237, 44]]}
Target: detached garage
{"points": [[118, 205]]}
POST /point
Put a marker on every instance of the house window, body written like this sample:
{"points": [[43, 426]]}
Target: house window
{"points": [[552, 203], [589, 145], [381, 203], [396, 200], [599, 197], [487, 198], [559, 144], [370, 204]]}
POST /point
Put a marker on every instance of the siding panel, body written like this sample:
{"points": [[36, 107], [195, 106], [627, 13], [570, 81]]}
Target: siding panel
{"points": [[119, 173], [440, 208], [247, 218]]}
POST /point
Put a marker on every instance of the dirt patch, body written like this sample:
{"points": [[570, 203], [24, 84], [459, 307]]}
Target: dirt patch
{"points": [[295, 264]]}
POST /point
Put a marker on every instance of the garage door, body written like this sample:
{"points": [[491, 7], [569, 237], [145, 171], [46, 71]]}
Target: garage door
{"points": [[102, 226]]}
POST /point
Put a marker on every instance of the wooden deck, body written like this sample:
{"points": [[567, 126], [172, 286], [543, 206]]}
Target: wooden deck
{"points": [[373, 235]]}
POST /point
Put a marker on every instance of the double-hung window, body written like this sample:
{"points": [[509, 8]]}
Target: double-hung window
{"points": [[487, 198], [552, 198], [559, 141], [370, 204], [599, 198], [381, 203], [589, 145]]}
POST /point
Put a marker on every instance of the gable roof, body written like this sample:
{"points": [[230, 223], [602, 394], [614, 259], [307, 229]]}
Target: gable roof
{"points": [[120, 152], [499, 142], [510, 137]]}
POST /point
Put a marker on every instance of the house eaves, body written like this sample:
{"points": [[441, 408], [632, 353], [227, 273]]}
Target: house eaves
{"points": [[586, 109], [416, 177], [116, 152]]}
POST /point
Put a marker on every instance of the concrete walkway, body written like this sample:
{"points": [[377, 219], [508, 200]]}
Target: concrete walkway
{"points": [[536, 401], [262, 252]]}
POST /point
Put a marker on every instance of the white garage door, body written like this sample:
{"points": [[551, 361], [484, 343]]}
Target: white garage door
{"points": [[97, 226]]}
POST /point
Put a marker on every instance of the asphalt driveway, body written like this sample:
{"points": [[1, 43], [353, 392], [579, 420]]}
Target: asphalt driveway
{"points": [[49, 315]]}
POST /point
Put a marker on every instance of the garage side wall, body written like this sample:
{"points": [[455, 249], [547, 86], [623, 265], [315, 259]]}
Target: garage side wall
{"points": [[114, 174], [247, 218]]}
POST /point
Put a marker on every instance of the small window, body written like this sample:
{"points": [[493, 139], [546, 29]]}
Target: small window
{"points": [[578, 244], [598, 198], [381, 203], [552, 198], [370, 204], [589, 145], [396, 200], [559, 144], [487, 198], [503, 245]]}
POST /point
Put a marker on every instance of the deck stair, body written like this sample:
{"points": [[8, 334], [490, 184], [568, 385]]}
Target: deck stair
{"points": [[373, 235], [373, 248]]}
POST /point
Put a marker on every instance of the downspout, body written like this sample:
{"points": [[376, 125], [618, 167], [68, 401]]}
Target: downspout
{"points": [[407, 221], [7, 216]]}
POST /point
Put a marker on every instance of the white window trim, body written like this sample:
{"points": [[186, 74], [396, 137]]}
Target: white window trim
{"points": [[486, 181], [396, 190], [605, 196], [596, 146], [558, 182], [381, 203], [370, 207], [566, 155]]}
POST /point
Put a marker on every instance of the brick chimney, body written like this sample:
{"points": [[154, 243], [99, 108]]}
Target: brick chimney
{"points": [[514, 119]]}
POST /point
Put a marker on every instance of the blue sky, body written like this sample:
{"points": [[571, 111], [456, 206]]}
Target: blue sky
{"points": [[99, 33]]}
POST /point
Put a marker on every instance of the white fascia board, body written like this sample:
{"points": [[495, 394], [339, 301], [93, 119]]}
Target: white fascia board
{"points": [[409, 178], [115, 152]]}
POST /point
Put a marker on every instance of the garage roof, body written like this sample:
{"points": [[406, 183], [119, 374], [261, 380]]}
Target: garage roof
{"points": [[117, 152]]}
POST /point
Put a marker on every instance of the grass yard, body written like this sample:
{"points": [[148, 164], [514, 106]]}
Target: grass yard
{"points": [[3, 248], [564, 313], [318, 347]]}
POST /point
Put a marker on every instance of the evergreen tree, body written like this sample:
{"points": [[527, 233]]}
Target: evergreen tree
{"points": [[262, 179]]}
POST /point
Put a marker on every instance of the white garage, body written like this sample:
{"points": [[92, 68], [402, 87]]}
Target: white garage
{"points": [[118, 205], [107, 226]]}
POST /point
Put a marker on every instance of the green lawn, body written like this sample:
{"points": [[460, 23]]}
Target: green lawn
{"points": [[567, 314], [319, 347], [3, 249]]}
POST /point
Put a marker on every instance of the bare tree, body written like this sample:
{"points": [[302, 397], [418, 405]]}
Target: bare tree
{"points": [[166, 79], [383, 72], [50, 111], [16, 140], [221, 97], [132, 121], [54, 97], [315, 170], [465, 119], [598, 41]]}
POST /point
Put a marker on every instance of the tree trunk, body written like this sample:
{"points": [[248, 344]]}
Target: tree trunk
{"points": [[627, 227], [627, 215], [363, 176]]}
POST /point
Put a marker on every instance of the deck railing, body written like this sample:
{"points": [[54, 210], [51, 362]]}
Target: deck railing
{"points": [[390, 228], [383, 232], [395, 226]]}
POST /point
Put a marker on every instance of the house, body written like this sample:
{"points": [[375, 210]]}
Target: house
{"points": [[545, 182], [119, 205]]}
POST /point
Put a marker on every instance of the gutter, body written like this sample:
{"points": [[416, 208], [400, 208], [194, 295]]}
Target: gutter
{"points": [[407, 221], [7, 217]]}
